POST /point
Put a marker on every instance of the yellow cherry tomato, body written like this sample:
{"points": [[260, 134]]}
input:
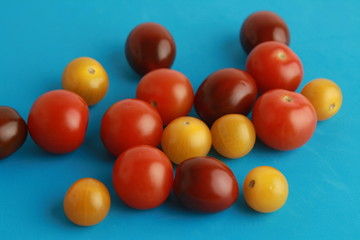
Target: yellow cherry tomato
{"points": [[325, 96], [86, 77], [87, 202], [233, 135], [186, 137], [265, 189]]}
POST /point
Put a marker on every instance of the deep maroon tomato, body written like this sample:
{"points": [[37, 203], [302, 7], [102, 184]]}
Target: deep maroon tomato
{"points": [[128, 123], [205, 184], [13, 131], [283, 119], [169, 91], [274, 65], [150, 46], [58, 121], [225, 91], [143, 177], [261, 27]]}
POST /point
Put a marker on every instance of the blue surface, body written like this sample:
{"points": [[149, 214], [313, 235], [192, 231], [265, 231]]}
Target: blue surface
{"points": [[38, 39]]}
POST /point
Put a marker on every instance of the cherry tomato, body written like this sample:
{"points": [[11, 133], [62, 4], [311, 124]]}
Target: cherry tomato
{"points": [[87, 202], [265, 189], [143, 177], [169, 91], [184, 138], [205, 184], [225, 91], [261, 27], [325, 96], [274, 65], [58, 121], [128, 123], [150, 46], [13, 131], [233, 135], [86, 77], [283, 119]]}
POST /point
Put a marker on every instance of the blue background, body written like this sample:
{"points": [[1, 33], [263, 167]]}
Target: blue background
{"points": [[38, 39]]}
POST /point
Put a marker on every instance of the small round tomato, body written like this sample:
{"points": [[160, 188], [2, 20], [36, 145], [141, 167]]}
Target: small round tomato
{"points": [[58, 121], [274, 65], [265, 189], [128, 123], [169, 91], [13, 131], [263, 26], [87, 202], [184, 138], [284, 120], [150, 46], [225, 91], [325, 96], [233, 135], [143, 177], [205, 184], [87, 77]]}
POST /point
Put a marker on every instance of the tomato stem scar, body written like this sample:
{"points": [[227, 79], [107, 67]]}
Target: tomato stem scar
{"points": [[287, 98], [186, 123], [252, 183], [332, 106], [91, 70], [154, 104]]}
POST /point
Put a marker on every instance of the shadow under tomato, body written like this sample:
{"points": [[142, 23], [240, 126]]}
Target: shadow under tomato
{"points": [[235, 54], [241, 206], [58, 215]]}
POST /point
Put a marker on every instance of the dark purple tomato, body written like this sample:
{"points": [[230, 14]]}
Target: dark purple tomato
{"points": [[261, 27], [13, 131], [225, 91], [150, 46], [205, 184]]}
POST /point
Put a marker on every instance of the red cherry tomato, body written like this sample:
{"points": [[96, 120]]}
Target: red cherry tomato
{"points": [[225, 91], [143, 177], [169, 91], [205, 184], [274, 65], [58, 121], [283, 119], [128, 123]]}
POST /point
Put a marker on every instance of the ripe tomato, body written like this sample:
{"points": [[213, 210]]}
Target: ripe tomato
{"points": [[265, 189], [58, 121], [225, 91], [169, 91], [274, 65], [184, 138], [233, 135], [143, 177], [205, 184], [13, 131], [87, 77], [325, 96], [128, 123], [87, 202], [283, 119], [263, 26]]}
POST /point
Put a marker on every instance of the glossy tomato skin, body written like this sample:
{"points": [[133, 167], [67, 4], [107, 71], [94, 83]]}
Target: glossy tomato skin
{"points": [[128, 123], [143, 177], [274, 65], [169, 91], [284, 120], [58, 121], [225, 91], [205, 184], [150, 46], [263, 26], [13, 131]]}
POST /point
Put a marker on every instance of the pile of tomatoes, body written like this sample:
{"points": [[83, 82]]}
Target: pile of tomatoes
{"points": [[133, 129]]}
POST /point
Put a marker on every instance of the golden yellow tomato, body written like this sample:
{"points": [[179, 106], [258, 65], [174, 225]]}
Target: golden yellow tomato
{"points": [[233, 135], [325, 96], [265, 189], [86, 77], [186, 137], [87, 202]]}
